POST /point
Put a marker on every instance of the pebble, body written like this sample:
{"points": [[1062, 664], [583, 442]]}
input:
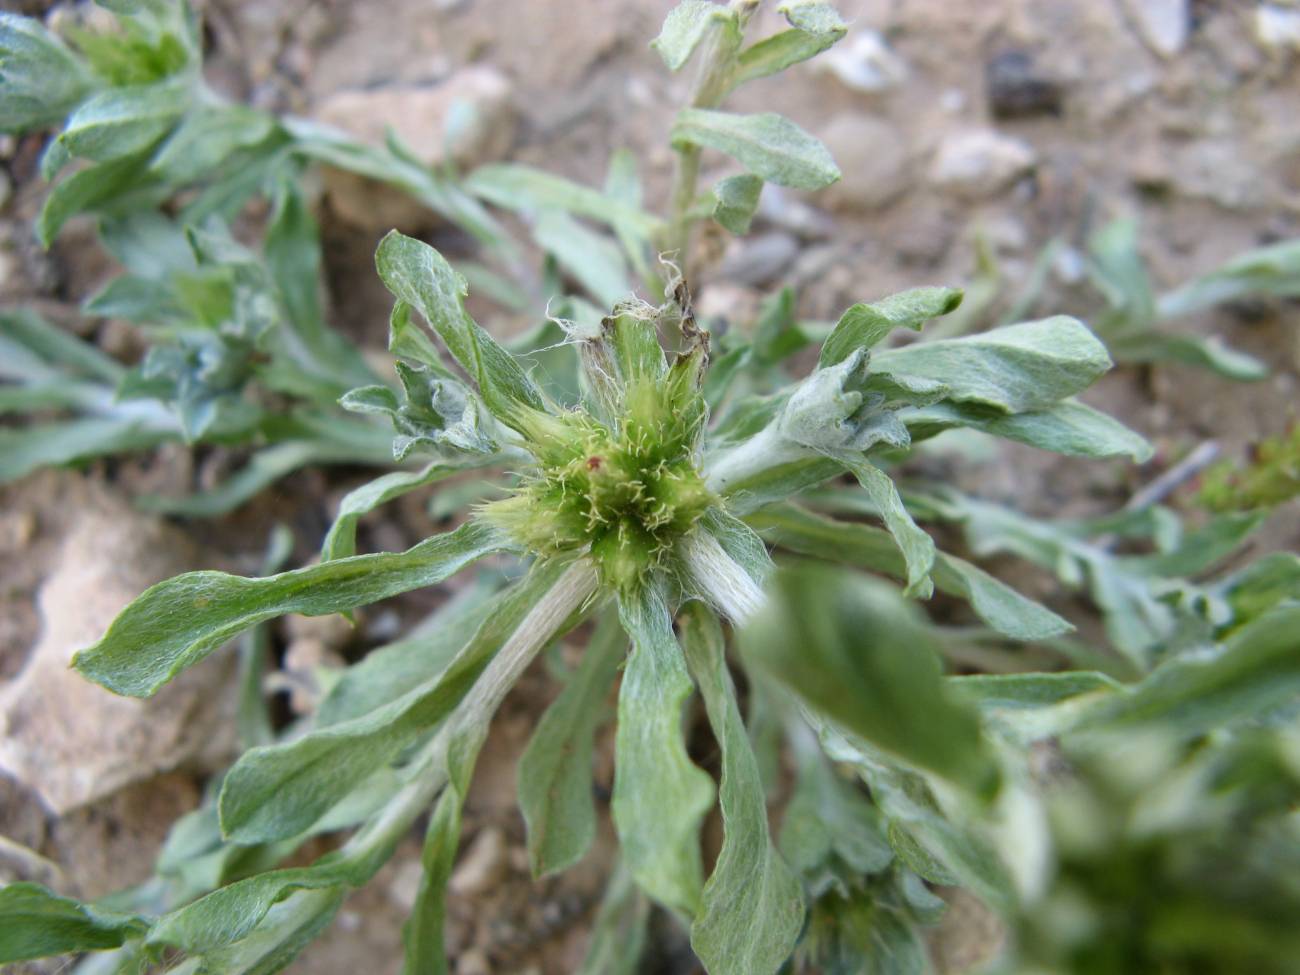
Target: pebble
{"points": [[980, 163], [758, 260], [865, 63], [778, 208], [469, 119], [484, 864], [725, 304], [1163, 25], [1017, 88], [873, 156], [1277, 27]]}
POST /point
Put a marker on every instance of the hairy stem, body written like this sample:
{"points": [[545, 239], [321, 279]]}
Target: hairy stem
{"points": [[717, 60]]}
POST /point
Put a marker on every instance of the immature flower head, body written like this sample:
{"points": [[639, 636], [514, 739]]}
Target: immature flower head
{"points": [[619, 476]]}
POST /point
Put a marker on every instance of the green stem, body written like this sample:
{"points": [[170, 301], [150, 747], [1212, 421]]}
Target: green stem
{"points": [[717, 61]]}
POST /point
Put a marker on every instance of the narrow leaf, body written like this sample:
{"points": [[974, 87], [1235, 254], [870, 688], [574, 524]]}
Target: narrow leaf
{"points": [[1015, 368], [865, 325], [768, 145], [180, 621], [659, 796], [554, 772], [686, 25], [855, 652], [751, 911], [419, 276], [35, 923], [735, 200], [915, 544], [1068, 427], [278, 791], [814, 28], [997, 604], [341, 542]]}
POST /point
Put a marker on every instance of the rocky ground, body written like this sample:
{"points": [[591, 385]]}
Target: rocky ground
{"points": [[1012, 122]]}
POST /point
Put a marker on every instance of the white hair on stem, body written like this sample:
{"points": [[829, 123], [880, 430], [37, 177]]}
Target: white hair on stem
{"points": [[719, 578]]}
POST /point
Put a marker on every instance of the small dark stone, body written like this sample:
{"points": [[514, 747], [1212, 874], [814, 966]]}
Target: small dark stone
{"points": [[1016, 88]]}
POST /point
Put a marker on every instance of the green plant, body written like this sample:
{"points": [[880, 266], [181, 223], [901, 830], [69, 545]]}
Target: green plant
{"points": [[240, 352], [1135, 325], [648, 485]]}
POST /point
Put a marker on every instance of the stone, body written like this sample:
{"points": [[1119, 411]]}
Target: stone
{"points": [[725, 305], [780, 209], [1277, 28], [484, 865], [758, 259], [71, 741], [1163, 25], [467, 120], [873, 156], [864, 62], [980, 163], [1017, 88]]}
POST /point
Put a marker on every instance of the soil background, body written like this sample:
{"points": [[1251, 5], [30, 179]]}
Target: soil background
{"points": [[1006, 123]]}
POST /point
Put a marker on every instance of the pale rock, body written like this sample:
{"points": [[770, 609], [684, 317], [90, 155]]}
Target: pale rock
{"points": [[73, 742], [1277, 28], [864, 62], [873, 156], [404, 888], [726, 301], [777, 207], [483, 866], [468, 119], [759, 259], [981, 163], [1163, 25]]}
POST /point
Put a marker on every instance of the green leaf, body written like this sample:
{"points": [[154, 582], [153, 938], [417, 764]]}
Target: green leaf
{"points": [[687, 24], [25, 449], [40, 79], [180, 621], [751, 911], [660, 798], [391, 671], [417, 274], [594, 261], [618, 934], [35, 923], [278, 791], [90, 189], [122, 122], [21, 329], [341, 542], [1272, 270], [855, 652], [524, 188], [865, 325], [768, 145], [554, 772], [1023, 691], [1256, 670], [263, 468], [814, 28], [915, 544], [1068, 427], [998, 605], [424, 950], [828, 820], [205, 139], [1193, 350], [735, 200], [285, 930], [1016, 368]]}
